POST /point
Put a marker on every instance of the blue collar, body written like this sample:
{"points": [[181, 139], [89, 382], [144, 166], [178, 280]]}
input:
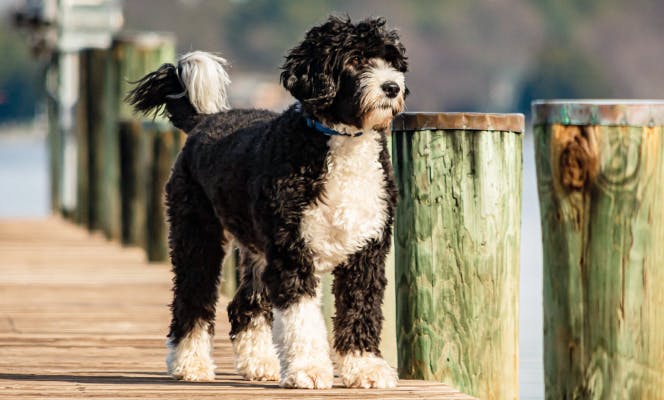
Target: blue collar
{"points": [[312, 123]]}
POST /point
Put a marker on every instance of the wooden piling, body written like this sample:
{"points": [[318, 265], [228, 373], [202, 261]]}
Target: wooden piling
{"points": [[136, 54], [457, 249], [55, 143], [81, 212], [600, 171], [134, 166], [165, 148], [230, 274], [98, 143]]}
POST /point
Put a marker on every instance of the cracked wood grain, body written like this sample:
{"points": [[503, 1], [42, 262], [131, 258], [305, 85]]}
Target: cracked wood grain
{"points": [[457, 258], [601, 190]]}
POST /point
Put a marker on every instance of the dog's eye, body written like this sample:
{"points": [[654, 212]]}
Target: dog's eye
{"points": [[356, 60]]}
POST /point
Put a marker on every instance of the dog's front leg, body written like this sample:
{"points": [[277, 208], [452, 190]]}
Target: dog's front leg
{"points": [[359, 285], [299, 329]]}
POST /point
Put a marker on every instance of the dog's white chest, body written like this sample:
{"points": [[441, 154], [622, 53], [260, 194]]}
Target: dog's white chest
{"points": [[354, 207]]}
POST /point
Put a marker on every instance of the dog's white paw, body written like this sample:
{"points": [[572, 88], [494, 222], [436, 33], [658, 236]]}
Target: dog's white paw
{"points": [[192, 369], [310, 377], [255, 355], [191, 359], [366, 371], [257, 368], [302, 346]]}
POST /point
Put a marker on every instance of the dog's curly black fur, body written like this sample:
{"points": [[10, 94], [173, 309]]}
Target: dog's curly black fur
{"points": [[252, 174]]}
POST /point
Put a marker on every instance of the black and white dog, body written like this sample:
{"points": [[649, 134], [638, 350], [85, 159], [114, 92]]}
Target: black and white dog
{"points": [[302, 193]]}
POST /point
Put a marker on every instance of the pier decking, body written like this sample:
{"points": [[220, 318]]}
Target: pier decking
{"points": [[81, 317]]}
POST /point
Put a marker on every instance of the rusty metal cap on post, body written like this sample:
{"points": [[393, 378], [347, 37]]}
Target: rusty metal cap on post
{"points": [[419, 121], [599, 112]]}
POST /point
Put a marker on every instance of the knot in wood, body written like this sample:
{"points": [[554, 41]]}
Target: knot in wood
{"points": [[577, 161]]}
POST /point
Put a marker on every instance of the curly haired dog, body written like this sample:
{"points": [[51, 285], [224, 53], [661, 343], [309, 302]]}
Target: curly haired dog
{"points": [[302, 193]]}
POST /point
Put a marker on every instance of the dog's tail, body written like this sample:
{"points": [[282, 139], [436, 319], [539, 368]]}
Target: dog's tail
{"points": [[186, 92]]}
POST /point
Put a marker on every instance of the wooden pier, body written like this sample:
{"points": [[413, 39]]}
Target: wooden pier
{"points": [[81, 317]]}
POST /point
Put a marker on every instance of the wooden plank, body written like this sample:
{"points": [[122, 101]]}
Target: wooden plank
{"points": [[601, 190], [95, 327]]}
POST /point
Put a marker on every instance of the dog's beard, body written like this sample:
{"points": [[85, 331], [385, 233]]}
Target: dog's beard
{"points": [[376, 108], [379, 119], [378, 113]]}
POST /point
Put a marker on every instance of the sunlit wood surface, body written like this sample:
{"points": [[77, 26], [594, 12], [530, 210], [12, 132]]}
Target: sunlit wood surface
{"points": [[81, 317]]}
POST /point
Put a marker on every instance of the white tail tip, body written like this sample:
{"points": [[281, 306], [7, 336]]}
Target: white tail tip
{"points": [[205, 80]]}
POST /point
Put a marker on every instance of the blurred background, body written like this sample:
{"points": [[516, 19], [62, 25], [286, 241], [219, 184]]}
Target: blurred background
{"points": [[465, 55]]}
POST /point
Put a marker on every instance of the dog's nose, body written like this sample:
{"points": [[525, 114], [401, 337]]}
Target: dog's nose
{"points": [[391, 89]]}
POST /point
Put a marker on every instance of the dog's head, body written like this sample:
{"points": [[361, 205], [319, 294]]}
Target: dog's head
{"points": [[349, 73]]}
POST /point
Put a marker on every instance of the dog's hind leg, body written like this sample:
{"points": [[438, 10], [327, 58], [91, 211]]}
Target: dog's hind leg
{"points": [[250, 314], [196, 243], [359, 285]]}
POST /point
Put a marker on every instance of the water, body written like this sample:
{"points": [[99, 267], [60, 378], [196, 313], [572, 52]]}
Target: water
{"points": [[531, 367], [24, 193], [24, 184]]}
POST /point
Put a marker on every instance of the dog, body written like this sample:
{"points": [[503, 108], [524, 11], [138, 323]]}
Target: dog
{"points": [[301, 193]]}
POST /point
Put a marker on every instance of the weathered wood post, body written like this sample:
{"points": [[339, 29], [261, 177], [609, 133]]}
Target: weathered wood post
{"points": [[600, 172], [101, 178], [81, 214], [55, 139], [136, 54], [457, 249], [230, 275], [166, 144]]}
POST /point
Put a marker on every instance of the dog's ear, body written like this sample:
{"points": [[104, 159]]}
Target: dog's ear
{"points": [[311, 70], [307, 83]]}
